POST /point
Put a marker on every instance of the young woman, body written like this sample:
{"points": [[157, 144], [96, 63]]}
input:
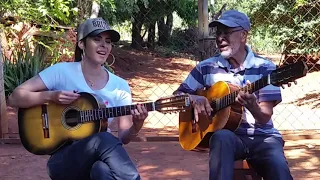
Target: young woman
{"points": [[100, 156]]}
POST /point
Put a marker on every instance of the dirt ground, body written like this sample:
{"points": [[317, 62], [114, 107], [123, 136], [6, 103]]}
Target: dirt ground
{"points": [[151, 77], [160, 160]]}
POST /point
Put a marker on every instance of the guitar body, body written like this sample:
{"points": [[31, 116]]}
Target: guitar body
{"points": [[227, 113], [61, 127], [46, 128], [227, 118]]}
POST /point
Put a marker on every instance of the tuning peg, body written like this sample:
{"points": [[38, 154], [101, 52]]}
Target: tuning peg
{"points": [[295, 82], [289, 84], [282, 86]]}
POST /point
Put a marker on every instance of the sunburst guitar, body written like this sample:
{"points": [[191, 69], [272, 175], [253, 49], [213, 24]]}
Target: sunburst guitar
{"points": [[227, 114], [44, 129]]}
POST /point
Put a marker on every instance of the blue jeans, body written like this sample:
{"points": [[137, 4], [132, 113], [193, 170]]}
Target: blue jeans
{"points": [[98, 157], [264, 153]]}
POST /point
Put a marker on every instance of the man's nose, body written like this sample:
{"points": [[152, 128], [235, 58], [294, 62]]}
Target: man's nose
{"points": [[220, 37]]}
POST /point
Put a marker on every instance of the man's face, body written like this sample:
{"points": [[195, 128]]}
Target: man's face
{"points": [[229, 40]]}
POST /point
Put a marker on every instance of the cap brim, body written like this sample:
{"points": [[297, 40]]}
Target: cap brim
{"points": [[114, 35], [224, 22]]}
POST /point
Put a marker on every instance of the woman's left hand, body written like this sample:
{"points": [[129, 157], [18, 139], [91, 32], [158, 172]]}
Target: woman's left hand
{"points": [[138, 116]]}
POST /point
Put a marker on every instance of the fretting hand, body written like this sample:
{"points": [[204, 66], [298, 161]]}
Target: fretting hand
{"points": [[138, 116], [246, 99]]}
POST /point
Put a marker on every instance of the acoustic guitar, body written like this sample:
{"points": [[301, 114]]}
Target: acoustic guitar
{"points": [[226, 112], [44, 129]]}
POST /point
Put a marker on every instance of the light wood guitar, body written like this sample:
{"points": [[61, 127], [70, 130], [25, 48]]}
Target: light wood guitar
{"points": [[227, 114], [44, 129]]}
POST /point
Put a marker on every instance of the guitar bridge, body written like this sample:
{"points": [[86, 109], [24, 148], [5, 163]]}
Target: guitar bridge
{"points": [[45, 121]]}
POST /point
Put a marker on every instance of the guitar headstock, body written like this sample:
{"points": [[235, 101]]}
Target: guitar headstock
{"points": [[173, 104], [289, 73]]}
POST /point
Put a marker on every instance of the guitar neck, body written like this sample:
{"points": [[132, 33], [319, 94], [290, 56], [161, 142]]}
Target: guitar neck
{"points": [[227, 100], [104, 113]]}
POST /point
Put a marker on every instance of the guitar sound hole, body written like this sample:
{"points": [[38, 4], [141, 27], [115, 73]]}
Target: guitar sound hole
{"points": [[72, 117]]}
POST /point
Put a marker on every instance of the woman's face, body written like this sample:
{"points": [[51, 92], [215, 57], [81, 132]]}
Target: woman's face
{"points": [[97, 48]]}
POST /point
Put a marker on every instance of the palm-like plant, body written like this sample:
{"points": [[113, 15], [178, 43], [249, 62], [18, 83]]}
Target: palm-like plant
{"points": [[21, 66]]}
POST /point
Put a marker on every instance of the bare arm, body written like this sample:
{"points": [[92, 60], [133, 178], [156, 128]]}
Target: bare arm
{"points": [[129, 126], [262, 112], [34, 92], [126, 130], [28, 95]]}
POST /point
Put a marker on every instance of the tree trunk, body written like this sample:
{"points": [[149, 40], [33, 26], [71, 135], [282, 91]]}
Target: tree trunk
{"points": [[164, 29], [151, 35], [4, 44], [161, 31], [85, 8], [137, 23], [3, 106], [95, 9]]}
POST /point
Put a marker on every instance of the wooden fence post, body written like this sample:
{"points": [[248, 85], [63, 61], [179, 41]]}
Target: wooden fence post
{"points": [[3, 105], [207, 47], [200, 29]]}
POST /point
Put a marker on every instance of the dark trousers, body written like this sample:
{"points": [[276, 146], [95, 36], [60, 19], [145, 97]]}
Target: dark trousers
{"points": [[98, 157], [264, 153]]}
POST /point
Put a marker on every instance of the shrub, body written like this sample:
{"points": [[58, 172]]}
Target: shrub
{"points": [[21, 66]]}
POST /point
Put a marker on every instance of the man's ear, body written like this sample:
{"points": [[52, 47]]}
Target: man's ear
{"points": [[244, 36], [81, 45]]}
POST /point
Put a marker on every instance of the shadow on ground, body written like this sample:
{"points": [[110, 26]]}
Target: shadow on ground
{"points": [[311, 99], [148, 66], [160, 160]]}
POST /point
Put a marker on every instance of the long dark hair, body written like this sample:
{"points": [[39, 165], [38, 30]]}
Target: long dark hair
{"points": [[77, 53]]}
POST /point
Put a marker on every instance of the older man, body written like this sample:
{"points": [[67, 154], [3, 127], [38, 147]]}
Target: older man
{"points": [[256, 139]]}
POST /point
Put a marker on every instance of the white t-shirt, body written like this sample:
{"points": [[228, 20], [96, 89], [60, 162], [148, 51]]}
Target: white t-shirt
{"points": [[68, 76]]}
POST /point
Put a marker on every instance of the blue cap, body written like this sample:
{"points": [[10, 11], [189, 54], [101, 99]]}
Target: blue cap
{"points": [[233, 18]]}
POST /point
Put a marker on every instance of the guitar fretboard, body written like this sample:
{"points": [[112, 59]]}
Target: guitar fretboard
{"points": [[104, 113], [225, 101]]}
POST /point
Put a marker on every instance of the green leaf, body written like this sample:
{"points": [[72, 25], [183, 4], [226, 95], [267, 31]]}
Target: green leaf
{"points": [[21, 66]]}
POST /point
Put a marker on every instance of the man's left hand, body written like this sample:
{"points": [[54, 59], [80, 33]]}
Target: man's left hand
{"points": [[247, 100]]}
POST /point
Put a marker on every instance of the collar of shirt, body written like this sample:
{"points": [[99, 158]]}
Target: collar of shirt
{"points": [[248, 62]]}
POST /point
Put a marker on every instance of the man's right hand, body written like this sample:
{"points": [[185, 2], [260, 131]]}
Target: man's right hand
{"points": [[201, 106], [64, 97]]}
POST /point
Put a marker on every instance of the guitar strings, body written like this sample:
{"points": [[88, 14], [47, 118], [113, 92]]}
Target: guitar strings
{"points": [[77, 114]]}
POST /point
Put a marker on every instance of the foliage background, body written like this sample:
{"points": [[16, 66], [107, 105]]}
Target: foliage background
{"points": [[161, 28]]}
